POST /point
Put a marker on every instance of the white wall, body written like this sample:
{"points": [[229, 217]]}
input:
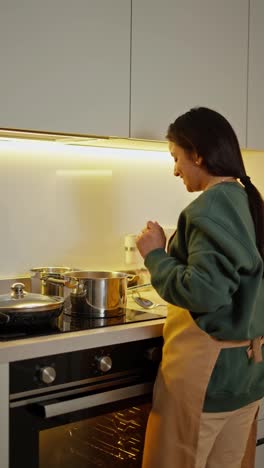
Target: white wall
{"points": [[254, 162], [63, 205]]}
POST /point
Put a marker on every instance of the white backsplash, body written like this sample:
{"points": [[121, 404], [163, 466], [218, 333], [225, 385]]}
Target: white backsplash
{"points": [[63, 205]]}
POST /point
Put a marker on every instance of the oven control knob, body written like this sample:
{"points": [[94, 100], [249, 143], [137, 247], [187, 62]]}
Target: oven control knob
{"points": [[104, 363], [47, 375], [153, 354]]}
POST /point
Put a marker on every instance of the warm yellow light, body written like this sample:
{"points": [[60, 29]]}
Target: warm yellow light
{"points": [[50, 150], [84, 173]]}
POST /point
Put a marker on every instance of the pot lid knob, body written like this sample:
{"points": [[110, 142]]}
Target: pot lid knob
{"points": [[18, 290]]}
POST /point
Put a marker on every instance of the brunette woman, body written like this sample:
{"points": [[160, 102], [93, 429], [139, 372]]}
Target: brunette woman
{"points": [[211, 377]]}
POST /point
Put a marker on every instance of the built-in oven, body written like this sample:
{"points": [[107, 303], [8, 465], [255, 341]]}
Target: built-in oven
{"points": [[84, 409]]}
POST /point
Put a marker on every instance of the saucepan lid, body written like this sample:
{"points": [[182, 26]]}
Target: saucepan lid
{"points": [[21, 300]]}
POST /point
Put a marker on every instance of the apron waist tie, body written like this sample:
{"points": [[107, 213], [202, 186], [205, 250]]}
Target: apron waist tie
{"points": [[255, 349]]}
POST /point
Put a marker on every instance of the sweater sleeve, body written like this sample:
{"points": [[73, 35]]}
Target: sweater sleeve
{"points": [[209, 276]]}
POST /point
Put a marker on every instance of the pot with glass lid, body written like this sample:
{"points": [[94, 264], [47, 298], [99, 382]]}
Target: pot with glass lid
{"points": [[21, 308]]}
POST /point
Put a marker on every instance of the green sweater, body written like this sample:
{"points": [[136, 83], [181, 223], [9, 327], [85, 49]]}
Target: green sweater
{"points": [[214, 269]]}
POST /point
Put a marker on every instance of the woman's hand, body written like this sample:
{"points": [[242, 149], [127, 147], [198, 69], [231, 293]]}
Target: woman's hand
{"points": [[151, 237]]}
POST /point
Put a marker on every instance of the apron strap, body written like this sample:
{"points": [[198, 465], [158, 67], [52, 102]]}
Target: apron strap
{"points": [[255, 349]]}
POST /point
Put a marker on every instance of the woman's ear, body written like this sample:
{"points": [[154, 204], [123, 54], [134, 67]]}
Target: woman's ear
{"points": [[198, 160]]}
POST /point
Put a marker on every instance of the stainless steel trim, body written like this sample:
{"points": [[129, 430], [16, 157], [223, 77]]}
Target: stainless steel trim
{"points": [[54, 388], [91, 401], [75, 391]]}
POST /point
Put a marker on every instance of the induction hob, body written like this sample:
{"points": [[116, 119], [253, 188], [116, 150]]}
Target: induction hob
{"points": [[72, 322]]}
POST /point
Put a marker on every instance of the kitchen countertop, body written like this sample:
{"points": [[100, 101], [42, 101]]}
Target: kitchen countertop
{"points": [[28, 348]]}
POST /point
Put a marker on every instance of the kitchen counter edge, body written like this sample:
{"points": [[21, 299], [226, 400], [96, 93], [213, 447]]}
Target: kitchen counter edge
{"points": [[28, 348]]}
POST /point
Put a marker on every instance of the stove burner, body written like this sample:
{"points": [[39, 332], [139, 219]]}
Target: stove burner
{"points": [[76, 321], [69, 321], [79, 306]]}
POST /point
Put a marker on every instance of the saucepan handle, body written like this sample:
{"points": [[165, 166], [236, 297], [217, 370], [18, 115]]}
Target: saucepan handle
{"points": [[131, 277], [69, 283]]}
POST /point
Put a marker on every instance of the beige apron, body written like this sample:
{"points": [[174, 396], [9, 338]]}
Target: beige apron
{"points": [[189, 356]]}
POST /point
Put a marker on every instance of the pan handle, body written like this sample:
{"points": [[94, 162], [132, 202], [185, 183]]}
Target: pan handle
{"points": [[139, 286], [131, 277], [72, 283], [4, 318]]}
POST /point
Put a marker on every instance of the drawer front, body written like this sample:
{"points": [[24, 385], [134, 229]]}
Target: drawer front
{"points": [[260, 433], [261, 410], [259, 463]]}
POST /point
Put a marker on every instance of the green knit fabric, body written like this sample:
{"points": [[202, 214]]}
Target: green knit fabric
{"points": [[214, 269]]}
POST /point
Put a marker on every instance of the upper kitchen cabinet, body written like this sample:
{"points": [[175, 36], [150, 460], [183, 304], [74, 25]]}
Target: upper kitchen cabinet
{"points": [[255, 138], [185, 54], [65, 65]]}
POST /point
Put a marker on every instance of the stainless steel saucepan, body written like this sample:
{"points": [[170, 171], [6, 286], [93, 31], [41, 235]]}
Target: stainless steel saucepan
{"points": [[95, 293], [39, 276]]}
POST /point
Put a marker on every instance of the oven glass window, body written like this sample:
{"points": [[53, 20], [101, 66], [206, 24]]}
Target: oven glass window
{"points": [[114, 439]]}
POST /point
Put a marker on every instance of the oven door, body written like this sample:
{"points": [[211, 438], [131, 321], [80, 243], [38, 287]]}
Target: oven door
{"points": [[105, 428]]}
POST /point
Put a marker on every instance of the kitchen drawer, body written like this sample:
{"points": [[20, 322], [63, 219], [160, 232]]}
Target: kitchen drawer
{"points": [[261, 410], [259, 462], [260, 433]]}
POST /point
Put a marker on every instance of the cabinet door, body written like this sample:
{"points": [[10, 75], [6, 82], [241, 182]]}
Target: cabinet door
{"points": [[255, 138], [259, 457], [65, 65], [185, 54]]}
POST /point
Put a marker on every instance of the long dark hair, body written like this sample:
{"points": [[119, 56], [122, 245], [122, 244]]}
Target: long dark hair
{"points": [[207, 133]]}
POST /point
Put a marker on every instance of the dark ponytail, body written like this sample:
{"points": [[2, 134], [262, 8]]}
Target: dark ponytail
{"points": [[256, 206], [207, 133]]}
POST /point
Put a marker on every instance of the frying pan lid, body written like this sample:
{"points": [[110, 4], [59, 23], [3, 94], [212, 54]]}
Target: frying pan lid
{"points": [[21, 300]]}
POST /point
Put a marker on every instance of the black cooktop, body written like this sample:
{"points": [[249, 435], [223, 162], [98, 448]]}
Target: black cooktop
{"points": [[69, 322]]}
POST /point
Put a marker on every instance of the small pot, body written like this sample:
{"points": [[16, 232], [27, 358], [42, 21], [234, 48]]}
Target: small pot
{"points": [[98, 294], [41, 286], [21, 308]]}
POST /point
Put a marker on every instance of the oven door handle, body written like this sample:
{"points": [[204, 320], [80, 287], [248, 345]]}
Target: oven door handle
{"points": [[51, 409]]}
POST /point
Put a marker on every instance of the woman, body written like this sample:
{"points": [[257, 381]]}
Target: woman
{"points": [[211, 377]]}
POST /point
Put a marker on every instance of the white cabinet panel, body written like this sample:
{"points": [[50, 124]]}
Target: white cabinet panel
{"points": [[261, 410], [259, 462], [260, 433], [255, 138], [65, 65], [186, 54]]}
